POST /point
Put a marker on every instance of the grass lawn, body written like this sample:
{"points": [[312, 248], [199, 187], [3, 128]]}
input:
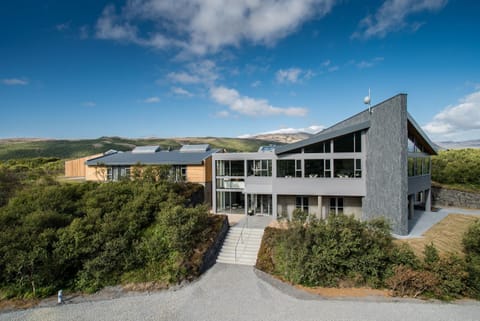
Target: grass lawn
{"points": [[446, 235]]}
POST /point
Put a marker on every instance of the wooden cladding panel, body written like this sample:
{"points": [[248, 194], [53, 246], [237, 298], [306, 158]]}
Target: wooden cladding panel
{"points": [[196, 173], [77, 167]]}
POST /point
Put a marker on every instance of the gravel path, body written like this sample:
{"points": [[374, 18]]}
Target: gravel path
{"points": [[230, 292]]}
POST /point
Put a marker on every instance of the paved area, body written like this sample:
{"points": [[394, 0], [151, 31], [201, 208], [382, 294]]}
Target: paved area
{"points": [[232, 292], [423, 221]]}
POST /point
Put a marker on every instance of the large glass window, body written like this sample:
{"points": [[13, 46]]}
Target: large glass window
{"points": [[260, 167], [351, 143], [322, 147], [230, 202], [289, 168], [344, 168], [317, 168], [230, 168]]}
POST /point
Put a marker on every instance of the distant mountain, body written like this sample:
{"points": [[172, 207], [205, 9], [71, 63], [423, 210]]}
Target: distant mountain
{"points": [[283, 138], [460, 145], [36, 147]]}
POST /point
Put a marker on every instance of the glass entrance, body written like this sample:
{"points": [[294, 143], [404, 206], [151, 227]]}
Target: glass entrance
{"points": [[260, 204]]}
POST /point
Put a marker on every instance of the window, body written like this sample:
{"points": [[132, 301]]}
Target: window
{"points": [[116, 173], [179, 173], [301, 202], [351, 143], [336, 205], [328, 168], [260, 167], [411, 166], [322, 147], [230, 168], [289, 168], [358, 168], [426, 167], [344, 168], [298, 168], [317, 168]]}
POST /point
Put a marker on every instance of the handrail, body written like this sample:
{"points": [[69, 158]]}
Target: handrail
{"points": [[245, 224]]}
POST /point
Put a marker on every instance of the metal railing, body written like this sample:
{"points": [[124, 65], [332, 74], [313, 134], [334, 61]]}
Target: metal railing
{"points": [[245, 225]]}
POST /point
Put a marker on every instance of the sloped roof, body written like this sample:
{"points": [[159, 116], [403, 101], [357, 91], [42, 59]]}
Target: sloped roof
{"points": [[158, 158], [320, 137], [420, 137]]}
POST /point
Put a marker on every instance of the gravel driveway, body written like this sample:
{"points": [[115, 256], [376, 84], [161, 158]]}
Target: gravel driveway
{"points": [[230, 292]]}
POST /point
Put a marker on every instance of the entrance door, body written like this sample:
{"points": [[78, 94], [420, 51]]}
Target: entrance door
{"points": [[261, 204]]}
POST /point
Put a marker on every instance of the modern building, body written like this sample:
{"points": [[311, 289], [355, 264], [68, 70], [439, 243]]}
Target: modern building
{"points": [[191, 163], [373, 164]]}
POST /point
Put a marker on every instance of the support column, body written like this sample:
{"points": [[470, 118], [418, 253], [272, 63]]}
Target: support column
{"points": [[411, 210], [320, 207], [428, 200], [274, 206]]}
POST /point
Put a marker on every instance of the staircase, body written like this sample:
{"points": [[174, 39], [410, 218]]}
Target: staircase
{"points": [[241, 246]]}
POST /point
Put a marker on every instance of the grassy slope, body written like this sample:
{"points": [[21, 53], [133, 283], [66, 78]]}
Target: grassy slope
{"points": [[79, 148], [446, 235]]}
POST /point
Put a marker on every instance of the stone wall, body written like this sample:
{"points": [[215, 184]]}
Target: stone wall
{"points": [[210, 256], [453, 198]]}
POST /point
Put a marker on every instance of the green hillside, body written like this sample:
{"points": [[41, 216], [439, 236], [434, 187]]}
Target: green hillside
{"points": [[16, 149]]}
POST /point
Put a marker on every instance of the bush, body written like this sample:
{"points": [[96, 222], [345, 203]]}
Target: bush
{"points": [[86, 236], [406, 281], [471, 243], [265, 253], [341, 248]]}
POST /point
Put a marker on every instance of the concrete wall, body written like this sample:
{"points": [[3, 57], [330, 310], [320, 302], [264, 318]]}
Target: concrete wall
{"points": [[449, 197]]}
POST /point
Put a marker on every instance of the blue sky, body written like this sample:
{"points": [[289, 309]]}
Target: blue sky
{"points": [[175, 68]]}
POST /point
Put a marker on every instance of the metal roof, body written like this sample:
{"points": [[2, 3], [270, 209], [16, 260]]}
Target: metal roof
{"points": [[145, 149], [195, 148], [320, 137], [159, 158]]}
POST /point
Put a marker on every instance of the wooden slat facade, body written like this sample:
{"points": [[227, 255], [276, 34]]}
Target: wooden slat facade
{"points": [[77, 167]]}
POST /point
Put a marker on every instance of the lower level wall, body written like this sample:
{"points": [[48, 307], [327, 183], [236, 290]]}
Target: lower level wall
{"points": [[449, 197]]}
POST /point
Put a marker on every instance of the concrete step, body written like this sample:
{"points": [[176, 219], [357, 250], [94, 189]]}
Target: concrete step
{"points": [[245, 242]]}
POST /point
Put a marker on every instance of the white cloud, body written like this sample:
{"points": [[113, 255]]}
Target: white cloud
{"points": [[200, 27], [182, 92], [222, 114], [458, 120], [293, 75], [14, 81], [89, 104], [256, 83], [392, 16], [84, 32], [202, 72], [63, 26], [310, 130], [250, 106], [369, 63], [151, 100]]}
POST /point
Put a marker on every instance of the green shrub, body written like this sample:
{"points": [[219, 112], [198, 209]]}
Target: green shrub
{"points": [[471, 243], [325, 252], [265, 254]]}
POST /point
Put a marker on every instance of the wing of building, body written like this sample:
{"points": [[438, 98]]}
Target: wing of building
{"points": [[373, 164], [191, 163]]}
